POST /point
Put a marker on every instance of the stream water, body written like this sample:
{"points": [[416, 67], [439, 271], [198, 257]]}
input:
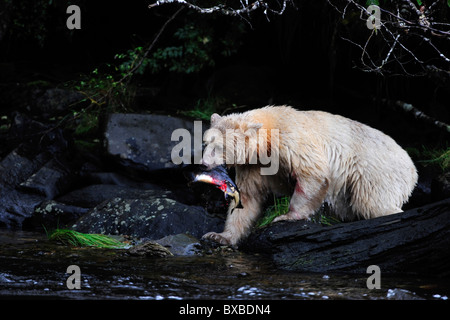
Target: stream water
{"points": [[33, 267]]}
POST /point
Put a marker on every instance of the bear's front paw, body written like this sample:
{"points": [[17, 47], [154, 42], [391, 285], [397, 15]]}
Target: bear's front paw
{"points": [[221, 238]]}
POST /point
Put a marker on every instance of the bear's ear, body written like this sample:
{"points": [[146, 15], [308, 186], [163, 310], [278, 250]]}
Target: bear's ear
{"points": [[215, 118]]}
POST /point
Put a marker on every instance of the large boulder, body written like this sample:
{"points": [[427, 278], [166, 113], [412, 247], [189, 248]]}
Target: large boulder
{"points": [[144, 140], [93, 195], [151, 218]]}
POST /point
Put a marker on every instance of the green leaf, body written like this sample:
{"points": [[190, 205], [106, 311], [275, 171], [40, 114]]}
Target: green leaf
{"points": [[419, 2], [448, 3], [375, 2]]}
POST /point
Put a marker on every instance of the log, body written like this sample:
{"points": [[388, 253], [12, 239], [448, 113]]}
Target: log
{"points": [[414, 242]]}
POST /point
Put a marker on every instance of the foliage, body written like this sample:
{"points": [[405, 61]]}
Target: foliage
{"points": [[205, 107], [78, 239], [104, 92], [130, 59], [324, 218], [434, 156], [27, 19], [106, 88], [195, 45], [31, 20]]}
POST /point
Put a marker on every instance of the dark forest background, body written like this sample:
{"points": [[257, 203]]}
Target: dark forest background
{"points": [[204, 63]]}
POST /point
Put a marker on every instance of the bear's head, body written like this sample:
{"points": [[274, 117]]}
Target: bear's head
{"points": [[231, 140]]}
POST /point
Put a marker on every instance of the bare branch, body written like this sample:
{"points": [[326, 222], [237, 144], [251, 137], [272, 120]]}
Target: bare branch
{"points": [[402, 28], [409, 108], [244, 8]]}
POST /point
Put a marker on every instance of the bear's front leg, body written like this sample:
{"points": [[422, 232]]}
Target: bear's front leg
{"points": [[308, 196], [238, 223]]}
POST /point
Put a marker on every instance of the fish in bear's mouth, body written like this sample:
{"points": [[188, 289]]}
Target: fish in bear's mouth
{"points": [[219, 177]]}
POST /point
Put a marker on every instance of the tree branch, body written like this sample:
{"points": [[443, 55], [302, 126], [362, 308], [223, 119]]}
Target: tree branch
{"points": [[246, 7], [409, 108], [403, 28]]}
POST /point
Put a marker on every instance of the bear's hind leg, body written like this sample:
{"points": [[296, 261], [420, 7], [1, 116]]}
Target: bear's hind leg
{"points": [[306, 199]]}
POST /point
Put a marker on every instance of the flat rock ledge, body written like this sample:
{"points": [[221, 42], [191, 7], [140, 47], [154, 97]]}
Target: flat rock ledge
{"points": [[412, 242]]}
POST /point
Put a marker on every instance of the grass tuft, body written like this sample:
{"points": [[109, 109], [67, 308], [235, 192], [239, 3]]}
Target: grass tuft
{"points": [[280, 206], [78, 239]]}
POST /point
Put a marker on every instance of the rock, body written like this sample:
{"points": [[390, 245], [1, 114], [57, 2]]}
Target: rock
{"points": [[181, 244], [411, 242], [93, 195], [16, 206], [33, 171], [149, 249], [402, 294], [151, 218], [52, 214], [114, 178], [144, 140], [50, 180], [15, 168], [52, 100]]}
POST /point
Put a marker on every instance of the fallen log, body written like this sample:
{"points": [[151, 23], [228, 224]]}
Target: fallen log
{"points": [[416, 241]]}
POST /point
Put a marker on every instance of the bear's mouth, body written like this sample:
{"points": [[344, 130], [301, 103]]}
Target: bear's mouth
{"points": [[219, 177]]}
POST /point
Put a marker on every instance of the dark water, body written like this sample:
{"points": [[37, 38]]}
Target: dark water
{"points": [[33, 267]]}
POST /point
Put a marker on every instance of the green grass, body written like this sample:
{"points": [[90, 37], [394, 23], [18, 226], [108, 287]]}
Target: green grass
{"points": [[78, 239], [439, 157], [324, 219], [281, 206], [204, 108]]}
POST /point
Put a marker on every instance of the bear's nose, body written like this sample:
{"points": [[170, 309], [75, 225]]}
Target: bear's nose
{"points": [[203, 167]]}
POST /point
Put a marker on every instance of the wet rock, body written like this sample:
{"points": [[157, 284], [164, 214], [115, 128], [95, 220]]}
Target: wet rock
{"points": [[149, 249], [144, 140], [151, 218], [181, 244], [402, 294]]}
